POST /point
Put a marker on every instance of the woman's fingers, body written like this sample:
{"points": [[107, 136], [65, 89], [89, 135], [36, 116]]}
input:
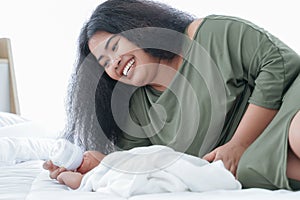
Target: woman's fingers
{"points": [[210, 157], [229, 164], [233, 169]]}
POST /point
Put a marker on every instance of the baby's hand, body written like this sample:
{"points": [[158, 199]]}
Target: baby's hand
{"points": [[54, 170], [70, 179]]}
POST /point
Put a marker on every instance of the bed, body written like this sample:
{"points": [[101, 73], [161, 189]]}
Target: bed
{"points": [[22, 175]]}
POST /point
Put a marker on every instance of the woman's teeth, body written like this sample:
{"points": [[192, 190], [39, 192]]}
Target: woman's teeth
{"points": [[127, 67]]}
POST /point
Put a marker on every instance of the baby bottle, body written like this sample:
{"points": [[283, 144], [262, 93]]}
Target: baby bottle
{"points": [[66, 154]]}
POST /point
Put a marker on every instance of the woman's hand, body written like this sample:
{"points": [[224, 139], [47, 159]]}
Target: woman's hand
{"points": [[54, 170], [230, 153]]}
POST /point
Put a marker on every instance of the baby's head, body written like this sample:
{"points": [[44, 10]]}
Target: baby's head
{"points": [[90, 160]]}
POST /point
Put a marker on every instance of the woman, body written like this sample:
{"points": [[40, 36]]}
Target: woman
{"points": [[219, 87]]}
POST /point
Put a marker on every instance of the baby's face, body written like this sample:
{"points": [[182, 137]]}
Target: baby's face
{"points": [[90, 160]]}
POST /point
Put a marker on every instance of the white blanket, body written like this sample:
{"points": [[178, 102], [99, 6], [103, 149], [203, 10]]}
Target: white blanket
{"points": [[19, 149], [156, 169]]}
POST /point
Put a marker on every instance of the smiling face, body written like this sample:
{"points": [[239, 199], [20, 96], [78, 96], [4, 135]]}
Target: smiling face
{"points": [[122, 60]]}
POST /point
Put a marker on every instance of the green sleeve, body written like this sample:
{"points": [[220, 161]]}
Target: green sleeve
{"points": [[248, 54], [277, 66]]}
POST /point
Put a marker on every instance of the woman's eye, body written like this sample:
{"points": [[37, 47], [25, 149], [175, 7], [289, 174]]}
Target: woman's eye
{"points": [[115, 47], [106, 63]]}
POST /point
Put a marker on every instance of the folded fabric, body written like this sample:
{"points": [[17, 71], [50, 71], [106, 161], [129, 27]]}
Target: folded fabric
{"points": [[7, 119], [18, 149], [156, 169]]}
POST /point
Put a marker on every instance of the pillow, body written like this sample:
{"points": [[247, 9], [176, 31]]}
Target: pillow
{"points": [[12, 125], [22, 140], [7, 119], [19, 149], [32, 129]]}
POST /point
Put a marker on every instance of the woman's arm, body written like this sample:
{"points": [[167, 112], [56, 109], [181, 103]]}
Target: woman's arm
{"points": [[253, 123]]}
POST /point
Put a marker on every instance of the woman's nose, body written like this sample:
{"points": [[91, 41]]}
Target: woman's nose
{"points": [[115, 62]]}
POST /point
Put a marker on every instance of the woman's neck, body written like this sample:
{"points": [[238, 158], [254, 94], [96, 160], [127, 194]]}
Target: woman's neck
{"points": [[168, 68]]}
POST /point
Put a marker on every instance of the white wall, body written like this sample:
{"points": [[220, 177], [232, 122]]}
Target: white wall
{"points": [[44, 35]]}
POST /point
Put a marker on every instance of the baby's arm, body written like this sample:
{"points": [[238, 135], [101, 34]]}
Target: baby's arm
{"points": [[71, 179]]}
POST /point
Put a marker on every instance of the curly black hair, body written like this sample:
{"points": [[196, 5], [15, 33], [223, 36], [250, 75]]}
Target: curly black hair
{"points": [[117, 17]]}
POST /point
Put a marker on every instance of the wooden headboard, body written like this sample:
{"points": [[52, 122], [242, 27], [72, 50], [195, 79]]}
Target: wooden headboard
{"points": [[6, 56]]}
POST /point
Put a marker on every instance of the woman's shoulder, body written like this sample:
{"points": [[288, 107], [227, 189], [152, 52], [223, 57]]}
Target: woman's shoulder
{"points": [[217, 23], [193, 27], [233, 22]]}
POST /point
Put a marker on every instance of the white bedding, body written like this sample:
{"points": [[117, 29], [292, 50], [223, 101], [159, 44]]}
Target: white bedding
{"points": [[28, 181], [16, 180]]}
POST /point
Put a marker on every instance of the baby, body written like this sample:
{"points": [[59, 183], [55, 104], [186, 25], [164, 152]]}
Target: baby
{"points": [[158, 169], [65, 174]]}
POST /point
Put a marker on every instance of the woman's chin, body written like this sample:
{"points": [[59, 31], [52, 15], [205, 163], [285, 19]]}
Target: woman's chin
{"points": [[133, 80]]}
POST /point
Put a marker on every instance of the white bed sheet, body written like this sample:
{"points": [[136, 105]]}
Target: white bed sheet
{"points": [[16, 180], [28, 181]]}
